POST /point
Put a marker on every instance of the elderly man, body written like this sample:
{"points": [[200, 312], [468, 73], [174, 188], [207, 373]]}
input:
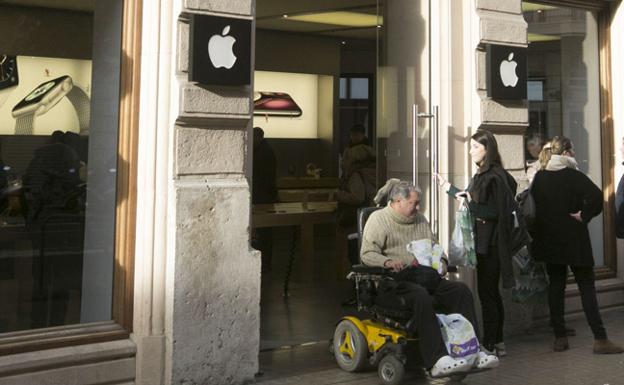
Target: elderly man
{"points": [[386, 235]]}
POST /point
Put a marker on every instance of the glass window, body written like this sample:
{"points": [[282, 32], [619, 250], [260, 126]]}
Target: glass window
{"points": [[343, 88], [59, 98], [359, 88], [564, 88]]}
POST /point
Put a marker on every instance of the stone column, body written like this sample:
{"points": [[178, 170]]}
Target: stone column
{"points": [[502, 22], [213, 277]]}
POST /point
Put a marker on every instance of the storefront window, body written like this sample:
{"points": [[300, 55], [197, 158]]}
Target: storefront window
{"points": [[59, 114], [564, 89]]}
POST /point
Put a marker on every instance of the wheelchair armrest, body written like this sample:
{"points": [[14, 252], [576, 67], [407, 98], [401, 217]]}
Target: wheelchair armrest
{"points": [[363, 269]]}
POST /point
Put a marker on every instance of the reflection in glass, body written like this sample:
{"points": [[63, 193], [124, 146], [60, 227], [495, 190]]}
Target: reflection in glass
{"points": [[564, 88]]}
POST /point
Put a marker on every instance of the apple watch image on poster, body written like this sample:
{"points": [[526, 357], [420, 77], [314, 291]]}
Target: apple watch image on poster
{"points": [[47, 95], [8, 76]]}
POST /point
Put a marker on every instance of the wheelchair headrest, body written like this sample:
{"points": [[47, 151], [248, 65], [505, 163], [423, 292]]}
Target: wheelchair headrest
{"points": [[362, 216]]}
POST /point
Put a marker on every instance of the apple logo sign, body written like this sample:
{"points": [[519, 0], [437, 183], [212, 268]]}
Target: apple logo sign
{"points": [[508, 71], [220, 49]]}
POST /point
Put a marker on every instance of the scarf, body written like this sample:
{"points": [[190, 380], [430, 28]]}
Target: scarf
{"points": [[559, 162]]}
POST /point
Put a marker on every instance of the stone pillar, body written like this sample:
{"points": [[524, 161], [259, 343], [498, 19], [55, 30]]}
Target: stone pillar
{"points": [[502, 22], [212, 311]]}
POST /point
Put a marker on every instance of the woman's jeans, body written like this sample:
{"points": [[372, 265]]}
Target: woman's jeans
{"points": [[488, 277], [584, 276]]}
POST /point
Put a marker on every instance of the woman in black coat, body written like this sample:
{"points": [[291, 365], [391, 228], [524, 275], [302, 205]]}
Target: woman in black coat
{"points": [[490, 196], [566, 200], [619, 203]]}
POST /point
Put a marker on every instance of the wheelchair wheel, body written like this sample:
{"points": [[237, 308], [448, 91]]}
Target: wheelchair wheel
{"points": [[391, 371], [350, 347]]}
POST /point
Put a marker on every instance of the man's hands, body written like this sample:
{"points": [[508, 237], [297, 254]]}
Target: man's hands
{"points": [[394, 265]]}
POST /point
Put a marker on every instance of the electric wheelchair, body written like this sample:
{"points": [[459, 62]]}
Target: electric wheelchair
{"points": [[382, 340]]}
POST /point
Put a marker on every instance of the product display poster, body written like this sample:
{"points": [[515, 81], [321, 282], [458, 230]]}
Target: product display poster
{"points": [[38, 91], [292, 105]]}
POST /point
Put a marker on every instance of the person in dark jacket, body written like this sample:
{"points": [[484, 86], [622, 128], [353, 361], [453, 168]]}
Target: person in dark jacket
{"points": [[619, 203], [263, 190], [565, 201], [490, 197]]}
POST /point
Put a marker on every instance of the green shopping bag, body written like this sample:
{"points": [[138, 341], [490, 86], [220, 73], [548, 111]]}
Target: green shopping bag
{"points": [[462, 247]]}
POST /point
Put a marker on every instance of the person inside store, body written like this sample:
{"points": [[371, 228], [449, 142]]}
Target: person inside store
{"points": [[417, 288], [357, 189], [491, 199], [55, 221], [263, 191], [357, 136], [534, 145], [619, 202], [566, 200]]}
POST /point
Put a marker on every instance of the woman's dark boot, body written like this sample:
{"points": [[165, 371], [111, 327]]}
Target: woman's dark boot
{"points": [[561, 344]]}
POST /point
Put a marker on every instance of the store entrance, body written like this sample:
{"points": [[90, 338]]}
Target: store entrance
{"points": [[333, 81]]}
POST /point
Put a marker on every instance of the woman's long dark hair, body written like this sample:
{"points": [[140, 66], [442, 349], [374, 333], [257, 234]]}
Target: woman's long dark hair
{"points": [[492, 156]]}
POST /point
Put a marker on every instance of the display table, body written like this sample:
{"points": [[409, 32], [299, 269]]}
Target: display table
{"points": [[303, 216]]}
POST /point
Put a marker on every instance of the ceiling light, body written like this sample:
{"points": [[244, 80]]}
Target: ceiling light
{"points": [[285, 16], [341, 18], [531, 7], [535, 37]]}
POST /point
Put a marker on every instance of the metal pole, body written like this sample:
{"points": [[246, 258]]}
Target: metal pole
{"points": [[414, 143]]}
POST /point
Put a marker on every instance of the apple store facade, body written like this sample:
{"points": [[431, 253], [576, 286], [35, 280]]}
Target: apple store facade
{"points": [[127, 154]]}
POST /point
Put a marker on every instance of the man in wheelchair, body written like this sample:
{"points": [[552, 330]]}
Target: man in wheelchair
{"points": [[419, 289]]}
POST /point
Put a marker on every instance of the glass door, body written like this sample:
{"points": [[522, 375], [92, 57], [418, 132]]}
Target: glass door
{"points": [[406, 118]]}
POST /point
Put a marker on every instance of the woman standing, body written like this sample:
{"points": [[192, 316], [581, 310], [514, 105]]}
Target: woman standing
{"points": [[619, 202], [490, 197], [565, 201]]}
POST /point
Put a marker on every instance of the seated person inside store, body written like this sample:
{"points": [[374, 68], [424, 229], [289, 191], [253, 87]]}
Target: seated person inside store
{"points": [[417, 288]]}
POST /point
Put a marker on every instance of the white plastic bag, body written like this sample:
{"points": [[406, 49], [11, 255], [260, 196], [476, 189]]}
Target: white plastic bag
{"points": [[459, 336], [457, 251], [426, 253], [462, 247]]}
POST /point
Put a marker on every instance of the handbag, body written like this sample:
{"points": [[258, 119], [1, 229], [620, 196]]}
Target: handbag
{"points": [[526, 208]]}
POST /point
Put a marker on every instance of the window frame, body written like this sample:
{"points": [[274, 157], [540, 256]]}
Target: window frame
{"points": [[120, 326], [603, 13]]}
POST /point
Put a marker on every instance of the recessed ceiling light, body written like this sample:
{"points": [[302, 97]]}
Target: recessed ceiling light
{"points": [[342, 18], [343, 42], [285, 16]]}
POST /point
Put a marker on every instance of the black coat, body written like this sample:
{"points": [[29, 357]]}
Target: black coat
{"points": [[619, 209], [264, 185], [493, 191], [559, 238]]}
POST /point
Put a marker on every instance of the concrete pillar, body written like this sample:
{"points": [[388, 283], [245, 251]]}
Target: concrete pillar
{"points": [[212, 322], [197, 281], [502, 22]]}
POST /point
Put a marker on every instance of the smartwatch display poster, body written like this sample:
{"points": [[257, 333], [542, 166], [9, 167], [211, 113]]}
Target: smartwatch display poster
{"points": [[507, 74], [219, 50], [46, 95]]}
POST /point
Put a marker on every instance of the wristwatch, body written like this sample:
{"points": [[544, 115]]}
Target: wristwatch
{"points": [[8, 76], [47, 95]]}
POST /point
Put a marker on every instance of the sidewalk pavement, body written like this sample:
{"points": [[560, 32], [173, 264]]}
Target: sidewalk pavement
{"points": [[530, 361]]}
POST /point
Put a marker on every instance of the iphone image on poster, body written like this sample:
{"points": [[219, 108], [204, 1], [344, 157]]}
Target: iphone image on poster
{"points": [[275, 104]]}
